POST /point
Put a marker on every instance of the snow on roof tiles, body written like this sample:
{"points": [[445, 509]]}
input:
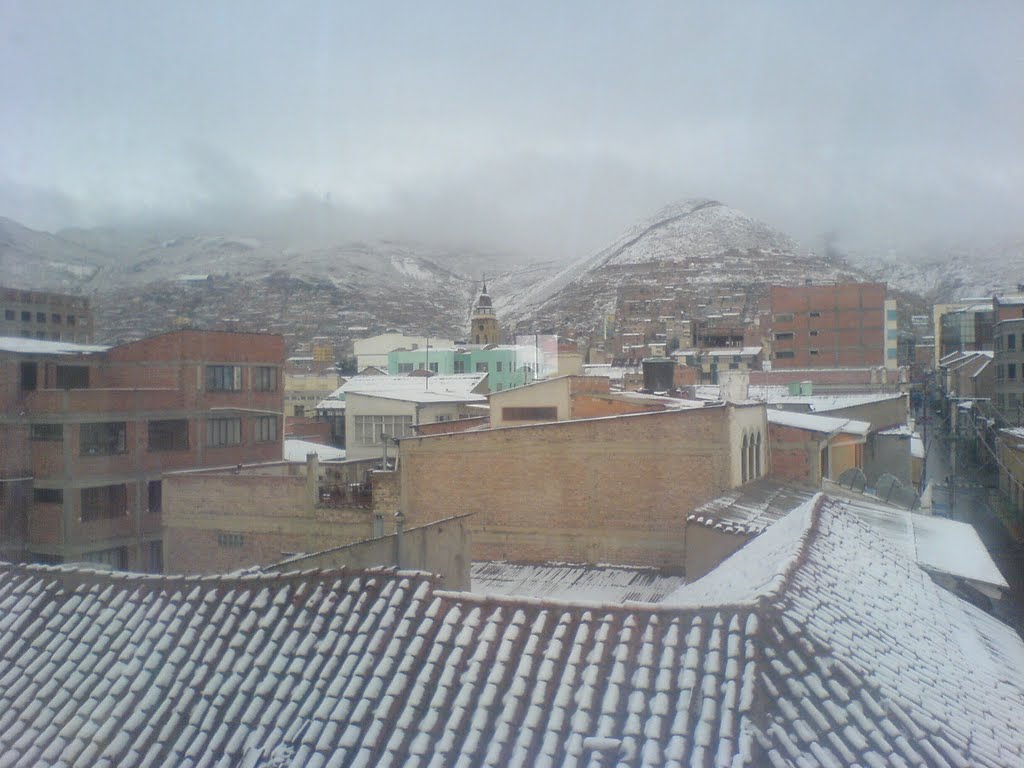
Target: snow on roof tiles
{"points": [[815, 423], [567, 581], [818, 643]]}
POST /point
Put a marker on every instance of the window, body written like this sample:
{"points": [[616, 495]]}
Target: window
{"points": [[48, 495], [230, 540], [1011, 371], [264, 378], [368, 429], [784, 354], [892, 314], [1011, 341], [9, 314], [266, 429], [460, 366], [784, 336], [405, 368], [223, 432], [168, 435], [534, 413], [50, 432], [116, 558], [813, 333], [734, 366], [26, 317], [813, 351], [498, 366], [155, 557], [40, 317], [155, 492], [299, 411], [481, 367], [71, 319], [55, 319], [106, 502], [29, 375], [72, 377], [433, 367], [814, 314], [223, 377], [103, 439], [784, 317]]}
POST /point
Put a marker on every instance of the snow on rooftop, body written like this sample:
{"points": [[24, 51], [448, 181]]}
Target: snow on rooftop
{"points": [[20, 345], [457, 383], [573, 581], [815, 423], [819, 643], [296, 450]]}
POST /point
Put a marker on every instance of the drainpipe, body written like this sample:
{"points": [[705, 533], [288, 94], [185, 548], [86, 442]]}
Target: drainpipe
{"points": [[312, 480], [399, 536]]}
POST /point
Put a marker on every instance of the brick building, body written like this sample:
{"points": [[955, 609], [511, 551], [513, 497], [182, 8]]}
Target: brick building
{"points": [[613, 489], [833, 326], [45, 315], [86, 433]]}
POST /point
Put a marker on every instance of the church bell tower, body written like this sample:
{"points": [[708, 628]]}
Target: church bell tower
{"points": [[483, 327]]}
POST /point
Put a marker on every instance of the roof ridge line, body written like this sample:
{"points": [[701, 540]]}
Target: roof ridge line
{"points": [[778, 586], [94, 576]]}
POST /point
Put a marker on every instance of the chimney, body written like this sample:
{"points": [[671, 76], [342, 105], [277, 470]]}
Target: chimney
{"points": [[312, 479]]}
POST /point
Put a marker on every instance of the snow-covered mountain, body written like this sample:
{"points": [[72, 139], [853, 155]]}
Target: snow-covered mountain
{"points": [[948, 271], [695, 248]]}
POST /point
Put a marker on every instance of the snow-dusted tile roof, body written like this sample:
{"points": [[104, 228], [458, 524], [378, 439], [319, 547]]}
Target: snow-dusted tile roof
{"points": [[25, 346], [819, 643], [814, 423], [573, 581], [296, 450], [456, 383], [750, 508]]}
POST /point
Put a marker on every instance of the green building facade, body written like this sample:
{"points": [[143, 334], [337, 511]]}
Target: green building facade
{"points": [[507, 366]]}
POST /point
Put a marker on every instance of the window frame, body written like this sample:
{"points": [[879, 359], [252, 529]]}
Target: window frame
{"points": [[217, 378], [223, 432]]}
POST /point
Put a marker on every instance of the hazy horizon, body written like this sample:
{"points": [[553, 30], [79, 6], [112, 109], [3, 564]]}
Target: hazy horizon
{"points": [[536, 130]]}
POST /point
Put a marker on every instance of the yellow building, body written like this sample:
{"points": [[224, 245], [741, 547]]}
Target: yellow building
{"points": [[483, 328]]}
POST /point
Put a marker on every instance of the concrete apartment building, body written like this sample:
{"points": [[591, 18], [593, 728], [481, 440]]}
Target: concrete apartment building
{"points": [[841, 325], [45, 315], [87, 433], [1008, 344]]}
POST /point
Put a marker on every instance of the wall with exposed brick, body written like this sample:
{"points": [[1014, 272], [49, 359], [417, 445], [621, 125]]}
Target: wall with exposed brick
{"points": [[270, 515], [796, 454], [442, 548], [612, 490]]}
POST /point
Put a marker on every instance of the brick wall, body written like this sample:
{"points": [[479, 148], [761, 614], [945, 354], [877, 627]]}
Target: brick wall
{"points": [[267, 514], [795, 454], [604, 490]]}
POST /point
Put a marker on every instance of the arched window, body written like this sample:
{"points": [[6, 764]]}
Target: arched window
{"points": [[757, 456], [743, 458], [750, 458]]}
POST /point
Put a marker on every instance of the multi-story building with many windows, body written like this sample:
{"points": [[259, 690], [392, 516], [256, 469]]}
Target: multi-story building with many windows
{"points": [[44, 315], [1008, 341], [86, 433], [841, 325]]}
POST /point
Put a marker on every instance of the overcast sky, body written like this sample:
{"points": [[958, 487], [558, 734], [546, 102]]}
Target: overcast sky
{"points": [[541, 128]]}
